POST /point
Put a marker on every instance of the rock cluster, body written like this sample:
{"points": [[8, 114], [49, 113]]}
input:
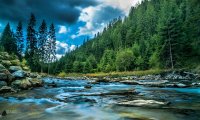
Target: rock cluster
{"points": [[14, 77]]}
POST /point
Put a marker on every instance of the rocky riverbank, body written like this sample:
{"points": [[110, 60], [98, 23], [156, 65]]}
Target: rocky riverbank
{"points": [[177, 79], [14, 76], [173, 79]]}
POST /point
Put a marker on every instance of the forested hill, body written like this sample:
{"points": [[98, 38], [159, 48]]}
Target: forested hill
{"points": [[156, 34]]}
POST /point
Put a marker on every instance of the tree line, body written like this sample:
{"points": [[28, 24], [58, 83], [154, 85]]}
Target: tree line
{"points": [[39, 47], [162, 34]]}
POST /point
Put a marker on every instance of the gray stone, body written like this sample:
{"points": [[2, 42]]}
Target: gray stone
{"points": [[143, 103], [14, 68], [22, 84], [6, 63], [33, 75], [3, 77], [2, 68], [6, 89], [19, 74], [36, 82]]}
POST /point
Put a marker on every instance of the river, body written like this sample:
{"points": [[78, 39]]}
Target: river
{"points": [[70, 100]]}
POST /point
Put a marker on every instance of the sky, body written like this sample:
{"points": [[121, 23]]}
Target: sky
{"points": [[75, 20]]}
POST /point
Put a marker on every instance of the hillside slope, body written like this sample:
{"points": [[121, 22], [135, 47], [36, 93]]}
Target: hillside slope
{"points": [[161, 34]]}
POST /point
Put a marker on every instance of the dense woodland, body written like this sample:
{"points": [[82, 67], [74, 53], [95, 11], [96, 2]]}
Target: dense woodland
{"points": [[162, 34], [37, 50], [157, 34]]}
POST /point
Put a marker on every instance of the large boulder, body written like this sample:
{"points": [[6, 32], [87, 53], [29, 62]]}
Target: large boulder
{"points": [[14, 68], [15, 62], [6, 89], [5, 75], [22, 84], [27, 83], [19, 74], [6, 63], [36, 82]]}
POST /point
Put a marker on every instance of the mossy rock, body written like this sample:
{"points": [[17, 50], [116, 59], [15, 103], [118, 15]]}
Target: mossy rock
{"points": [[15, 62], [6, 63], [22, 84]]}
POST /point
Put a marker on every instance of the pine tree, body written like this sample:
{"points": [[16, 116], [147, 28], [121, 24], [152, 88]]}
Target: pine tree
{"points": [[20, 40], [8, 41], [42, 38], [50, 46], [31, 41], [52, 37], [171, 35]]}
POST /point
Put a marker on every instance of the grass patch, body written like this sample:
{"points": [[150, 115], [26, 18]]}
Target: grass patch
{"points": [[63, 74], [128, 73]]}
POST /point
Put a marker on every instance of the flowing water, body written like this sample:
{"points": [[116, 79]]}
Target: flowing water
{"points": [[70, 100]]}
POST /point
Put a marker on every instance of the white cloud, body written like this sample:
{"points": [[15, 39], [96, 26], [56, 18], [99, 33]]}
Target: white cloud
{"points": [[62, 48], [74, 36], [88, 15], [93, 19], [72, 47], [62, 30], [124, 5]]}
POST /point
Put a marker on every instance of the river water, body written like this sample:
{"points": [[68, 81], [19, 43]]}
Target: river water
{"points": [[70, 100]]}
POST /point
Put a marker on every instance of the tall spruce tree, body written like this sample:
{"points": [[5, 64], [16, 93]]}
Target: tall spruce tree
{"points": [[42, 39], [52, 37], [31, 41], [20, 40], [50, 46]]}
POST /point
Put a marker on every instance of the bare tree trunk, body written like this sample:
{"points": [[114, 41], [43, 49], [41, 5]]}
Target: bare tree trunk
{"points": [[171, 56]]}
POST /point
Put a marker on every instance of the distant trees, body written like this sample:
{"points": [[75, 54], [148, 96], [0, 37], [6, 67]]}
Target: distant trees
{"points": [[156, 34]]}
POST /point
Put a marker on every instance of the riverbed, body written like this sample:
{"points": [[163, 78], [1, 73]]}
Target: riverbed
{"points": [[84, 100]]}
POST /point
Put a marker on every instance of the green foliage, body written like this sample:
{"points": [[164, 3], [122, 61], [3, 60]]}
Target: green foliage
{"points": [[155, 34], [107, 62], [124, 60], [8, 41]]}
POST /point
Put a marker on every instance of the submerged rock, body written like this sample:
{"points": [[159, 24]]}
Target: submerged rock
{"points": [[53, 84], [129, 82], [88, 86], [143, 103]]}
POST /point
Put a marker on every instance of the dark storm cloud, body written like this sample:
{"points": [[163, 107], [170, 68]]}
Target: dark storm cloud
{"points": [[60, 11]]}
